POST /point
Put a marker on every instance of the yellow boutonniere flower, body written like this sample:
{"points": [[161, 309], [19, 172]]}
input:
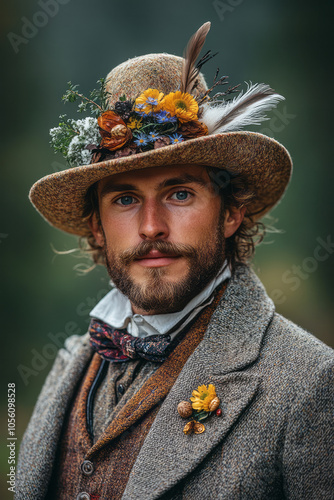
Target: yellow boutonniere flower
{"points": [[203, 397], [204, 402]]}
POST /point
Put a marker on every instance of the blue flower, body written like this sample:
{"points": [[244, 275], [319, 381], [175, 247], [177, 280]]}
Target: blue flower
{"points": [[164, 116], [139, 109], [151, 101], [176, 138], [142, 139], [153, 136]]}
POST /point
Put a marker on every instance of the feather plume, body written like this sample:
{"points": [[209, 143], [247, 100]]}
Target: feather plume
{"points": [[246, 109], [194, 47]]}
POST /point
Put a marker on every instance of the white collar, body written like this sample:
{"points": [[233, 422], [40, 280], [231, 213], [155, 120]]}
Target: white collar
{"points": [[115, 310]]}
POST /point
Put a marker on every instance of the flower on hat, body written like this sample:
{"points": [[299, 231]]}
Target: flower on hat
{"points": [[135, 123], [182, 105], [192, 129], [165, 117], [154, 120], [108, 120], [176, 138], [153, 135], [202, 398], [140, 109], [113, 130], [71, 137], [148, 101], [141, 139]]}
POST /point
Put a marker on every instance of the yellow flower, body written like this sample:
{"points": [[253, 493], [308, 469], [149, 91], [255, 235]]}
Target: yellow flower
{"points": [[135, 123], [203, 396], [148, 101], [182, 105]]}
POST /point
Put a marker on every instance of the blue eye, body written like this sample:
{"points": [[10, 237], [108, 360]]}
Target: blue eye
{"points": [[125, 200], [181, 195]]}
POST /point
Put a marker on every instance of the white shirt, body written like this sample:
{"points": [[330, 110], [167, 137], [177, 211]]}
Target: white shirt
{"points": [[115, 310]]}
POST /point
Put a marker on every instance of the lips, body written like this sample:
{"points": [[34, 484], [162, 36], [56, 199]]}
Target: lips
{"points": [[155, 254], [154, 258]]}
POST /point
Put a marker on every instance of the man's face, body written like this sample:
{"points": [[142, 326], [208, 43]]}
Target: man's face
{"points": [[162, 231]]}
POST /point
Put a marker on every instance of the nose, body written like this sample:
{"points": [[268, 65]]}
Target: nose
{"points": [[153, 224]]}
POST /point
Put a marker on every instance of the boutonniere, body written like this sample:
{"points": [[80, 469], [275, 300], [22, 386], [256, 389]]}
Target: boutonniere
{"points": [[204, 402]]}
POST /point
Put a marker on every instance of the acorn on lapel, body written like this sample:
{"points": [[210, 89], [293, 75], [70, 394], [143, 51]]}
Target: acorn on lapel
{"points": [[204, 402]]}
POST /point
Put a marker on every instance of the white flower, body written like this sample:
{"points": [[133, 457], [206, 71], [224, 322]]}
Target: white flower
{"points": [[72, 137], [88, 133]]}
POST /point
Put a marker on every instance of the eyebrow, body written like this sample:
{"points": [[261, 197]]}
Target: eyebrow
{"points": [[182, 179], [111, 187]]}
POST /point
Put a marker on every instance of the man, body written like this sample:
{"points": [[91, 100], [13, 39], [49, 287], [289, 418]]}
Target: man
{"points": [[188, 385]]}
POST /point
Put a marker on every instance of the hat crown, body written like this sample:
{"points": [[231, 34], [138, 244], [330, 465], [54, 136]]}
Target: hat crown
{"points": [[159, 71]]}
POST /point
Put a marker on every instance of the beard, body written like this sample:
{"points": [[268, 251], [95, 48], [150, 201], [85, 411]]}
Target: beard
{"points": [[158, 295]]}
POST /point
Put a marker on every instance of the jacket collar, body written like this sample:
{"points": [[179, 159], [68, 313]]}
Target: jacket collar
{"points": [[232, 342]]}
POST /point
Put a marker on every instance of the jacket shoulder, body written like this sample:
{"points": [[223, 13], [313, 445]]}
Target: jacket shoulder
{"points": [[291, 342], [295, 365], [74, 348], [74, 343]]}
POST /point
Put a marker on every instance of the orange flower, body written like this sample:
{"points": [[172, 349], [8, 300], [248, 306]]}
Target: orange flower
{"points": [[113, 130], [108, 120]]}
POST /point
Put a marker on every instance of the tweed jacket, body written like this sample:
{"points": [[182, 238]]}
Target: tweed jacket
{"points": [[274, 439]]}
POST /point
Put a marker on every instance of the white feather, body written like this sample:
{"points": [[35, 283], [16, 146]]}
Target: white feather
{"points": [[252, 114]]}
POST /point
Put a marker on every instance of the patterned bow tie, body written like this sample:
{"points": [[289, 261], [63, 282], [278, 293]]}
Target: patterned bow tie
{"points": [[118, 345]]}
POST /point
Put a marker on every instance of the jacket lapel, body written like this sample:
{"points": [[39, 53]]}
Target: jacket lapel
{"points": [[231, 343]]}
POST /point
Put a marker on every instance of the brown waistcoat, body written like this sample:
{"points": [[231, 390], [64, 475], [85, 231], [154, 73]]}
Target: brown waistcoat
{"points": [[101, 470]]}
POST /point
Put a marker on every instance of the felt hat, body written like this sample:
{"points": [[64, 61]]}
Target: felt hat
{"points": [[156, 94]]}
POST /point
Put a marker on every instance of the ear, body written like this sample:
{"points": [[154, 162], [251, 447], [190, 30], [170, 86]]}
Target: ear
{"points": [[96, 228], [233, 219]]}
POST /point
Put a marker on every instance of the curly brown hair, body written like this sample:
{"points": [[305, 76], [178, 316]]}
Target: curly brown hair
{"points": [[235, 193]]}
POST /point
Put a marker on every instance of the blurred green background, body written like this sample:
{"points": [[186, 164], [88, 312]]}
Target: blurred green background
{"points": [[285, 44]]}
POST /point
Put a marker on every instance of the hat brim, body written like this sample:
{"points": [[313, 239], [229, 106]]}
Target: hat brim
{"points": [[59, 197]]}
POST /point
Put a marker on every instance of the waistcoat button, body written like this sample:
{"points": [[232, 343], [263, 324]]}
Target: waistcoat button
{"points": [[87, 468], [83, 496]]}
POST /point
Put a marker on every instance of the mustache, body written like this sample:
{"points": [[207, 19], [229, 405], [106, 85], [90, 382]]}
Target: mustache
{"points": [[165, 247]]}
